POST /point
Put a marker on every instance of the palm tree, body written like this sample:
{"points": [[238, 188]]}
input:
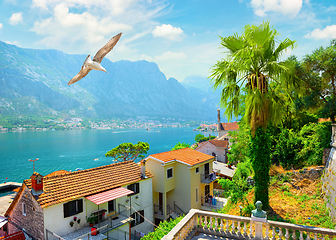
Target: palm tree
{"points": [[253, 60]]}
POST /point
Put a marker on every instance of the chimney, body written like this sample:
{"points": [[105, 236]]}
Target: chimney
{"points": [[37, 183], [143, 168]]}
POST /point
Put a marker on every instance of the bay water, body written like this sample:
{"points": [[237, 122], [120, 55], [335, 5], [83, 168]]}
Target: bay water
{"points": [[69, 150]]}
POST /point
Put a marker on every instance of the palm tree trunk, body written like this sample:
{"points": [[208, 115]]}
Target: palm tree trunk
{"points": [[260, 156]]}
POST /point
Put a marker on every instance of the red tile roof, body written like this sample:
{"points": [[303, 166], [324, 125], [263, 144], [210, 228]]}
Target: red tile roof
{"points": [[72, 185], [15, 236], [215, 142], [229, 126], [110, 195], [185, 155]]}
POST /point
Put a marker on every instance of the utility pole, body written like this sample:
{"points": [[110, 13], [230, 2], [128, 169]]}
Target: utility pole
{"points": [[33, 161]]}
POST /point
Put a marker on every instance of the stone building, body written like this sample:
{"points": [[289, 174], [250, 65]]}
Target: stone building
{"points": [[225, 128], [216, 148], [60, 203]]}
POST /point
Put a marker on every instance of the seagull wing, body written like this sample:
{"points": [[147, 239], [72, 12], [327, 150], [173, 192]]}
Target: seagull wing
{"points": [[82, 73], [106, 49]]}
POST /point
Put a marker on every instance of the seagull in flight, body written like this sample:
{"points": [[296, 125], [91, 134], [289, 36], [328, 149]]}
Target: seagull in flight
{"points": [[89, 64]]}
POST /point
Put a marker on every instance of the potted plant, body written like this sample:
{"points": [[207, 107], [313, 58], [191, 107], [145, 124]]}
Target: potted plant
{"points": [[72, 223], [91, 220], [78, 221]]}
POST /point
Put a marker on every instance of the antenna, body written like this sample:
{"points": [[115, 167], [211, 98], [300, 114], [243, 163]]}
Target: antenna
{"points": [[33, 161]]}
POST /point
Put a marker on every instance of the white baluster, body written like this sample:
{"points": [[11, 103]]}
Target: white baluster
{"points": [[216, 224], [280, 233], [267, 234], [287, 235], [301, 235], [221, 225], [211, 228], [238, 229], [227, 225], [200, 221], [245, 230], [315, 236], [308, 236], [205, 222], [233, 227], [294, 235], [273, 233], [322, 236], [251, 230]]}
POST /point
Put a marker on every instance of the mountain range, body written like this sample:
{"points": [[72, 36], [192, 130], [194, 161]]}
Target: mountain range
{"points": [[34, 82]]}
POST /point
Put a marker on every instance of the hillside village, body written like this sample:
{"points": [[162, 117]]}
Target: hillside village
{"points": [[128, 200]]}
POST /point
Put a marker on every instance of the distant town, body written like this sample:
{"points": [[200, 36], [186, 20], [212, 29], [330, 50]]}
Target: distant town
{"points": [[40, 124]]}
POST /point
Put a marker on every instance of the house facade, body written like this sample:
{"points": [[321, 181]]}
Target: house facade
{"points": [[183, 180], [216, 148], [225, 128], [61, 203]]}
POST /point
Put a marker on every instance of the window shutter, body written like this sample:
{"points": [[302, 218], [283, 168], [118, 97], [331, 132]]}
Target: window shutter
{"points": [[133, 221], [142, 214], [80, 205], [137, 188], [66, 210]]}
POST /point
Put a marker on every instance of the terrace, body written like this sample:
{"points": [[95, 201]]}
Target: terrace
{"points": [[198, 224]]}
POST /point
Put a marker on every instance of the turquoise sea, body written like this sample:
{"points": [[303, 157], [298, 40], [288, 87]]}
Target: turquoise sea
{"points": [[69, 150]]}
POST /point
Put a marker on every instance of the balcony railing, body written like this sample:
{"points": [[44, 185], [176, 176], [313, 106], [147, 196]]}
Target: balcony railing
{"points": [[208, 178], [158, 209], [229, 226]]}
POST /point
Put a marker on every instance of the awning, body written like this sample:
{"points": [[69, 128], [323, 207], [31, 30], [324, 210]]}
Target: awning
{"points": [[3, 221], [110, 195]]}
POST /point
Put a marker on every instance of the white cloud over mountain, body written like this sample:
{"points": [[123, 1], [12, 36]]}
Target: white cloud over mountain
{"points": [[167, 31]]}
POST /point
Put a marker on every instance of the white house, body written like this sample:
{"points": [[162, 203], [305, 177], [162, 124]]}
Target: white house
{"points": [[216, 148], [60, 203]]}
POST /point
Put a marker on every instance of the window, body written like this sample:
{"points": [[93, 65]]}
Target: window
{"points": [[24, 209], [73, 207], [169, 173], [197, 170], [196, 194], [135, 187], [111, 206], [138, 218]]}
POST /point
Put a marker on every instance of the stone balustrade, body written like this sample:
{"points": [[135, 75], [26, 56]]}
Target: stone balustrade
{"points": [[236, 227]]}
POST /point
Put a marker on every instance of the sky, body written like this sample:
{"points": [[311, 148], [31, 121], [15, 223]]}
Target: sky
{"points": [[181, 36]]}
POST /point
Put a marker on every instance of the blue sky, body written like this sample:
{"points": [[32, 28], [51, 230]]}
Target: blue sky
{"points": [[181, 36]]}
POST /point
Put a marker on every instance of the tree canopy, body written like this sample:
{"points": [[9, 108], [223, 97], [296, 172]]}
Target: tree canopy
{"points": [[180, 146], [128, 151], [253, 61]]}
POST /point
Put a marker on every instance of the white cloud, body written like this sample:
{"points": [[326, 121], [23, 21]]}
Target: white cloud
{"points": [[116, 7], [0, 25], [169, 32], [146, 57], [16, 18], [327, 33], [286, 7], [171, 56]]}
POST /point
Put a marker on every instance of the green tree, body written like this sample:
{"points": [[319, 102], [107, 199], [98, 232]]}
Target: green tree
{"points": [[180, 146], [318, 72], [128, 151], [200, 138], [253, 60]]}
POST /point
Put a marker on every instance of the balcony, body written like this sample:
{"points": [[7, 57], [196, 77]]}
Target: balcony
{"points": [[199, 224], [208, 178]]}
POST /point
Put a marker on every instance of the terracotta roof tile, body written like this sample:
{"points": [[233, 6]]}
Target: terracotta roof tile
{"points": [[66, 186], [229, 126], [15, 236], [215, 142], [185, 155]]}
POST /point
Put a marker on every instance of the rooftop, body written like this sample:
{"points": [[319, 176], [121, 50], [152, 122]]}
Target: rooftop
{"points": [[185, 155], [65, 186], [229, 126], [215, 142]]}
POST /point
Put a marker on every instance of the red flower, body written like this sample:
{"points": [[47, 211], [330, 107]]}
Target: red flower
{"points": [[75, 218]]}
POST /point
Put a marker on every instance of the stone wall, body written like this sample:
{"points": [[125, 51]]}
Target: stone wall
{"points": [[32, 222], [329, 182]]}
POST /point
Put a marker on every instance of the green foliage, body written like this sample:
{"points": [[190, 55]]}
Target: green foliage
{"points": [[163, 229], [237, 189], [201, 138], [260, 158], [240, 142], [128, 151], [180, 146]]}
